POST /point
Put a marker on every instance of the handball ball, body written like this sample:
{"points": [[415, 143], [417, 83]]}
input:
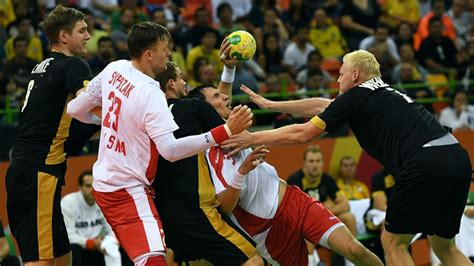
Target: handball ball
{"points": [[242, 45]]}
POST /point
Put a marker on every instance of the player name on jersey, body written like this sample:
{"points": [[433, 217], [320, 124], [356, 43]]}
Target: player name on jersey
{"points": [[121, 84]]}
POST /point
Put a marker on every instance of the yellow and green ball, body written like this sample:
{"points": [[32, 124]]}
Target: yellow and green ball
{"points": [[242, 45]]}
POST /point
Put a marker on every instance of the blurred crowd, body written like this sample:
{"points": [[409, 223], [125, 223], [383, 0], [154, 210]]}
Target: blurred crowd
{"points": [[300, 42]]}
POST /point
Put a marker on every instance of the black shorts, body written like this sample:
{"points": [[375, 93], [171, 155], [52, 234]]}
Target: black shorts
{"points": [[430, 192], [34, 213], [205, 234]]}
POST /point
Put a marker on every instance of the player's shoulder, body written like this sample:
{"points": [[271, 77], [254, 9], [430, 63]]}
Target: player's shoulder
{"points": [[73, 62]]}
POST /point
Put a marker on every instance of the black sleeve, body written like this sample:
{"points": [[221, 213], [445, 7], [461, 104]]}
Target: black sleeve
{"points": [[208, 116], [78, 73], [79, 135], [331, 186], [343, 107]]}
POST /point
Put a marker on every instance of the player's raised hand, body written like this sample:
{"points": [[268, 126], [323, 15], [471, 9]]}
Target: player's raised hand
{"points": [[253, 159], [225, 55], [237, 142], [261, 101], [240, 119]]}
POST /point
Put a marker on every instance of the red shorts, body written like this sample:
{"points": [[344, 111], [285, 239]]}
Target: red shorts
{"points": [[134, 219], [298, 217]]}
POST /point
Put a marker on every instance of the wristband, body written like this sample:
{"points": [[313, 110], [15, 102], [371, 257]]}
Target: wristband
{"points": [[238, 180], [228, 75], [227, 130], [220, 133], [90, 245]]}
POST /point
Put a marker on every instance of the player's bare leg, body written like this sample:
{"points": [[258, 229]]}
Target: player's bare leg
{"points": [[344, 243], [447, 251], [395, 247]]}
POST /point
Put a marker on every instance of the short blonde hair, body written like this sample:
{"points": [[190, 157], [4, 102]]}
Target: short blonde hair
{"points": [[365, 62]]}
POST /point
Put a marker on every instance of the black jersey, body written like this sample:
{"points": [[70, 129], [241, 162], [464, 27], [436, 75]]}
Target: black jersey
{"points": [[383, 181], [321, 190], [389, 125], [186, 183], [44, 123]]}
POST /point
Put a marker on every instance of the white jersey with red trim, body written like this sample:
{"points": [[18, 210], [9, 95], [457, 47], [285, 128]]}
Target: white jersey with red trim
{"points": [[134, 111], [259, 195]]}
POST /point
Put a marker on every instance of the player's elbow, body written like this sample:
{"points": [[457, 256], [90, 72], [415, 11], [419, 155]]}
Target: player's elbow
{"points": [[302, 135]]}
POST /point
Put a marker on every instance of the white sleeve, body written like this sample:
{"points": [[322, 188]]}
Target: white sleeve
{"points": [[94, 90], [79, 108], [157, 119], [67, 208], [173, 149]]}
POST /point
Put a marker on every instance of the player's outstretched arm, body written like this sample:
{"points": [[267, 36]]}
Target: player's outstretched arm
{"points": [[229, 197], [304, 107], [173, 149], [228, 73], [288, 135]]}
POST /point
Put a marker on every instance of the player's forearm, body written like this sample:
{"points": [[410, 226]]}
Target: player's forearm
{"points": [[173, 149], [79, 108], [228, 199], [305, 107], [227, 79], [288, 135]]}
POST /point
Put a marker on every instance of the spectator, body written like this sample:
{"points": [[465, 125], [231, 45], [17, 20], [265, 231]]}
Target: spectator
{"points": [[437, 10], [352, 188], [35, 48], [395, 12], [298, 15], [326, 36], [239, 8], [19, 67], [200, 28], [5, 258], [92, 239], [407, 55], [407, 75], [359, 20], [164, 17], [314, 64], [227, 24], [459, 115], [382, 186], [138, 14], [243, 76], [93, 43], [384, 42], [404, 34], [315, 83], [205, 49], [105, 55], [271, 55], [8, 13], [322, 187], [437, 52], [296, 54], [119, 35], [272, 24], [463, 21]]}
